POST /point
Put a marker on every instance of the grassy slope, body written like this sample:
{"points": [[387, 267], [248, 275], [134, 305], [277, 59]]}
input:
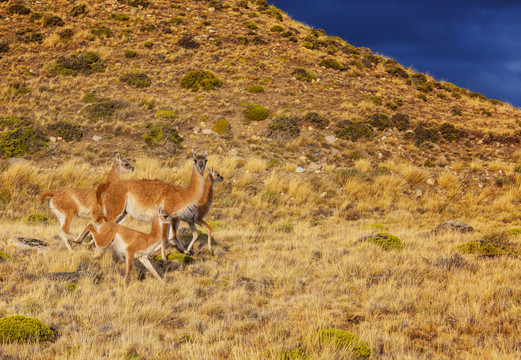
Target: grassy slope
{"points": [[286, 265]]}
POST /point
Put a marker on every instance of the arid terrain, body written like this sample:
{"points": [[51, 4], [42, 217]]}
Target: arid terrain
{"points": [[321, 145]]}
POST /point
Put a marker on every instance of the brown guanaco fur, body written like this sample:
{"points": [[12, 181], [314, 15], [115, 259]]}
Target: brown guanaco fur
{"points": [[129, 242], [138, 197], [203, 208], [67, 203]]}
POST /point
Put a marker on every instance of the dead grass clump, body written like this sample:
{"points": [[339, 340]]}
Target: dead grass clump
{"points": [[255, 165], [102, 110], [413, 175]]}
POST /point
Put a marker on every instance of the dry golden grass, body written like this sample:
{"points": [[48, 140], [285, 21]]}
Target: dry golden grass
{"points": [[255, 165]]}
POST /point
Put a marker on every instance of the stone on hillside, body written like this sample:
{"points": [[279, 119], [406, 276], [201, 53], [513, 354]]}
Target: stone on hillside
{"points": [[331, 139], [25, 243], [207, 131], [454, 226], [299, 170], [96, 138]]}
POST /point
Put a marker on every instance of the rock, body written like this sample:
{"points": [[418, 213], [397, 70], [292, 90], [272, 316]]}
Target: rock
{"points": [[454, 226], [25, 243], [314, 166], [96, 138], [71, 276], [17, 160], [331, 139], [233, 152], [52, 139], [431, 181], [299, 170], [418, 193], [207, 131]]}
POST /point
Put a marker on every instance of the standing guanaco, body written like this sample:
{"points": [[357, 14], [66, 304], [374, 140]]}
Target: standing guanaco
{"points": [[129, 242], [138, 197], [67, 203], [203, 208]]}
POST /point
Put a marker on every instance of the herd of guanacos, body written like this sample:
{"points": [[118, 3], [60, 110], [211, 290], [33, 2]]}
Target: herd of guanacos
{"points": [[164, 204]]}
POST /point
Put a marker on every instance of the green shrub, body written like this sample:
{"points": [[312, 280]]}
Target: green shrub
{"points": [[85, 63], [102, 31], [345, 340], [395, 69], [175, 21], [449, 132], [138, 3], [162, 131], [4, 256], [353, 130], [255, 88], [188, 41], [283, 128], [379, 121], [12, 121], [456, 110], [19, 8], [400, 121], [303, 74], [148, 44], [492, 244], [147, 28], [89, 98], [166, 114], [120, 16], [308, 45], [18, 89], [377, 100], [182, 258], [78, 10], [35, 16], [54, 21], [222, 126], [66, 34], [198, 79], [136, 78], [255, 112], [251, 25], [277, 28], [423, 133], [68, 130], [19, 329], [386, 241], [422, 97], [22, 140], [130, 53], [103, 109], [35, 219], [316, 119], [332, 64]]}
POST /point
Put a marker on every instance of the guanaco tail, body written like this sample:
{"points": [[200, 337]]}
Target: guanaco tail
{"points": [[138, 197], [203, 208], [129, 242], [67, 203]]}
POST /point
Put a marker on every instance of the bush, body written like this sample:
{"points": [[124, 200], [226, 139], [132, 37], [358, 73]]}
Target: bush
{"points": [[353, 130], [4, 46], [66, 34], [332, 64], [85, 63], [187, 41], [222, 126], [316, 119], [422, 97], [19, 329], [21, 140], [78, 10], [401, 121], [423, 133], [136, 78], [255, 112], [308, 45], [166, 114], [303, 74], [379, 121], [148, 44], [345, 340], [283, 128], [35, 16], [54, 21], [492, 244], [68, 130], [251, 25], [157, 132], [89, 98], [102, 31], [200, 79], [277, 28], [103, 109], [19, 8], [449, 132], [130, 53], [395, 69], [456, 110], [175, 21], [35, 219], [18, 89], [120, 16], [255, 88]]}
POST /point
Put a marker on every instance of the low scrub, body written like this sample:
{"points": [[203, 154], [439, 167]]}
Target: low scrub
{"points": [[200, 79], [68, 130], [85, 63], [136, 78], [332, 64], [161, 132], [20, 329], [283, 128], [19, 136], [354, 130], [102, 110], [255, 112], [303, 74]]}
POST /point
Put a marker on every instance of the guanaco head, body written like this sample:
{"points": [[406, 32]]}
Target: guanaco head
{"points": [[163, 215], [216, 177], [199, 162], [123, 164]]}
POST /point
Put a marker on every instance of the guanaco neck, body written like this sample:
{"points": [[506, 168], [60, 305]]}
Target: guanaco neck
{"points": [[196, 187], [157, 229], [207, 197], [114, 172]]}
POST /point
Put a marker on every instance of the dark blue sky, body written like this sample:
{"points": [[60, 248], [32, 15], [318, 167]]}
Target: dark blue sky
{"points": [[473, 44]]}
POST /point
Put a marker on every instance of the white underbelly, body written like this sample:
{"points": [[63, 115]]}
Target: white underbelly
{"points": [[121, 246], [148, 250], [84, 212], [137, 211]]}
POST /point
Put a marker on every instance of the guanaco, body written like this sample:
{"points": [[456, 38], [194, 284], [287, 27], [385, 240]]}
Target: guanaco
{"points": [[138, 197], [129, 242], [67, 203], [203, 208]]}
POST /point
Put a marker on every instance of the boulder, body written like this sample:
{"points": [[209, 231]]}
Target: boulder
{"points": [[25, 243], [453, 226]]}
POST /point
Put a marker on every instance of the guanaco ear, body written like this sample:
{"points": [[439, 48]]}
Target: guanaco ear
{"points": [[193, 153], [206, 153], [213, 171], [117, 157]]}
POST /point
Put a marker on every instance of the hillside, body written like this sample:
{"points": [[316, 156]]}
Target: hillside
{"points": [[320, 143]]}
